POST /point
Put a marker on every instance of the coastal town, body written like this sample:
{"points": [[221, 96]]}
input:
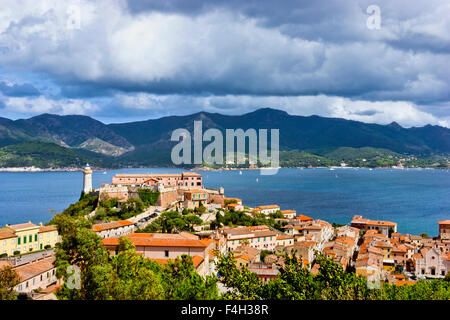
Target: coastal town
{"points": [[371, 248]]}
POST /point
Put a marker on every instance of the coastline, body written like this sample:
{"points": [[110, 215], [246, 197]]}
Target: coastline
{"points": [[72, 169]]}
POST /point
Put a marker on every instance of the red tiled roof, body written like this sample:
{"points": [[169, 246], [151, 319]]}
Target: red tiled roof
{"points": [[151, 241], [35, 268], [111, 225], [47, 228], [304, 218], [20, 226], [6, 235], [196, 260]]}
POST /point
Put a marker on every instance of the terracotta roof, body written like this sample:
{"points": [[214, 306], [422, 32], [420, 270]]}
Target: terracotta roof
{"points": [[6, 235], [444, 222], [191, 174], [270, 206], [288, 211], [196, 260], [196, 191], [404, 283], [33, 269], [17, 227], [47, 228], [304, 218], [237, 199], [360, 220], [111, 225], [158, 242], [4, 263], [284, 237]]}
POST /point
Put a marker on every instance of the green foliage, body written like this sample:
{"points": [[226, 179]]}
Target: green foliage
{"points": [[200, 210], [173, 222], [239, 218], [242, 283], [48, 155], [264, 253], [148, 196], [84, 206], [182, 282], [131, 208], [295, 282], [229, 201], [8, 280], [337, 225], [124, 276]]}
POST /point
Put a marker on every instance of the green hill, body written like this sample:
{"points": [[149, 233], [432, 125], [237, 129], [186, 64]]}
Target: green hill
{"points": [[48, 155]]}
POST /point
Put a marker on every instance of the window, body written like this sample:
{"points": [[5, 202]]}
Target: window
{"points": [[24, 239], [166, 253], [35, 237], [30, 238], [18, 240]]}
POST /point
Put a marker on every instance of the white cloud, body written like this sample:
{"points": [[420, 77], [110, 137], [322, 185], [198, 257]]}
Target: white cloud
{"points": [[31, 106], [244, 61], [405, 113]]}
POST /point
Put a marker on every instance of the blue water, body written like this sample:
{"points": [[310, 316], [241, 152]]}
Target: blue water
{"points": [[415, 199]]}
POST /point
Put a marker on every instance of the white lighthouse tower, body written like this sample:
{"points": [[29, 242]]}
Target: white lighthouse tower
{"points": [[87, 179]]}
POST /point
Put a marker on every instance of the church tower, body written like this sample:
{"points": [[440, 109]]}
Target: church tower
{"points": [[87, 179]]}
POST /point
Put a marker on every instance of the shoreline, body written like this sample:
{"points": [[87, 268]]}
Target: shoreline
{"points": [[71, 169]]}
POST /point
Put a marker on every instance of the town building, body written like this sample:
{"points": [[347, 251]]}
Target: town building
{"points": [[444, 230], [432, 263], [268, 209], [245, 255], [284, 240], [114, 228], [185, 179], [27, 237], [34, 274], [384, 227], [259, 237], [289, 214], [264, 271], [163, 246]]}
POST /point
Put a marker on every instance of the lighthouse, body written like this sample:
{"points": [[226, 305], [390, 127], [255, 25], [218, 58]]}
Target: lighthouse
{"points": [[87, 179]]}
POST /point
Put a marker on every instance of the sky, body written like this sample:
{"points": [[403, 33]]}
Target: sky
{"points": [[375, 61]]}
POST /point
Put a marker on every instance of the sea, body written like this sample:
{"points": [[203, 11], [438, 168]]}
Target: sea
{"points": [[416, 199]]}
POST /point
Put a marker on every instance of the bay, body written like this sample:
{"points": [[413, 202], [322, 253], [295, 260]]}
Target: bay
{"points": [[414, 198]]}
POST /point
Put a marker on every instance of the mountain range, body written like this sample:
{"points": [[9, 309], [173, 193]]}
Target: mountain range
{"points": [[148, 142]]}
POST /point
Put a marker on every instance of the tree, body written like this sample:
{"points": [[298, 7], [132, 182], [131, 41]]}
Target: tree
{"points": [[124, 276], [192, 221], [241, 283], [82, 248], [148, 196], [131, 207], [182, 282], [8, 280]]}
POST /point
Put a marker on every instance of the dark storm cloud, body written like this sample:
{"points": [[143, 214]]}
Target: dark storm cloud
{"points": [[18, 90], [265, 51]]}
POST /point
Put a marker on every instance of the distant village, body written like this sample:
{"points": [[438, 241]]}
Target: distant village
{"points": [[371, 248]]}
